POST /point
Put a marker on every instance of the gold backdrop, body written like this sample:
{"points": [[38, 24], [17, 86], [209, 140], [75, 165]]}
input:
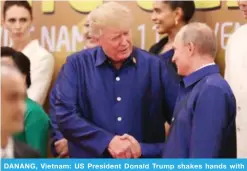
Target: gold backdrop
{"points": [[59, 24]]}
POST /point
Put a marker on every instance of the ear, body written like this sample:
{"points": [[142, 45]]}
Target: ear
{"points": [[191, 48], [178, 14]]}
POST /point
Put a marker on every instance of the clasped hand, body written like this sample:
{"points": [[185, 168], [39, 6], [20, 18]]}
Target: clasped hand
{"points": [[124, 146]]}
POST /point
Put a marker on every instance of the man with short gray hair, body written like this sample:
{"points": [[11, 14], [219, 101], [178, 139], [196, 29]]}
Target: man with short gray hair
{"points": [[113, 100], [203, 124]]}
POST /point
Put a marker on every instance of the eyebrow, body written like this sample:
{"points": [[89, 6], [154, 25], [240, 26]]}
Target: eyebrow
{"points": [[156, 9], [116, 35], [13, 18]]}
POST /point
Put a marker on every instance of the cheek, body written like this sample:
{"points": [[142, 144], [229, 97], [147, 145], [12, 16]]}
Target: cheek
{"points": [[27, 26], [181, 59], [26, 29], [113, 45], [9, 27], [109, 46], [129, 40]]}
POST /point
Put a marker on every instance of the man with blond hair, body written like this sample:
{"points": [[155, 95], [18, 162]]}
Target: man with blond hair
{"points": [[235, 74], [111, 99], [203, 124]]}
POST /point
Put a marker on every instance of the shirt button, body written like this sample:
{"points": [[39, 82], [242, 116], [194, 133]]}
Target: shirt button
{"points": [[119, 119], [118, 99], [117, 78]]}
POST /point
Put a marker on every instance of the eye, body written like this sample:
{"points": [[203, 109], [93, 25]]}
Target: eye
{"points": [[126, 33], [12, 20], [116, 38], [23, 20], [157, 10]]}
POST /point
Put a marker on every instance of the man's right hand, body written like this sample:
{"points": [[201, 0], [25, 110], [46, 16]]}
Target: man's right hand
{"points": [[61, 147], [120, 148]]}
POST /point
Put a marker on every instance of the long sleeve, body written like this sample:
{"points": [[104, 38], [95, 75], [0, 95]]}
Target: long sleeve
{"points": [[170, 81], [210, 122], [152, 150], [55, 132], [41, 77], [71, 122], [36, 131]]}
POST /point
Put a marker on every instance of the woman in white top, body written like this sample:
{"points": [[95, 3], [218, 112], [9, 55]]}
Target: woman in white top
{"points": [[236, 75], [17, 19]]}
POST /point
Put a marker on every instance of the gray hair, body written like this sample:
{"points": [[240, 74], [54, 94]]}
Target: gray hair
{"points": [[201, 35], [110, 14]]}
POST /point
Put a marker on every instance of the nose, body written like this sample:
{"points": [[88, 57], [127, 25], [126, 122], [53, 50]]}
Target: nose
{"points": [[17, 25], [153, 17], [124, 41]]}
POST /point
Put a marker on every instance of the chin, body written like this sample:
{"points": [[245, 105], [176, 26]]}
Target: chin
{"points": [[121, 58], [161, 31], [179, 72]]}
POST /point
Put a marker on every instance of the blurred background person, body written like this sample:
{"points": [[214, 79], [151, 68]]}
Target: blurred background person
{"points": [[204, 117], [235, 74], [36, 121], [17, 19], [90, 42], [59, 144], [13, 95], [169, 17]]}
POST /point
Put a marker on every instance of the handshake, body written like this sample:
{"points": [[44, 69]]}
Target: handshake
{"points": [[124, 146]]}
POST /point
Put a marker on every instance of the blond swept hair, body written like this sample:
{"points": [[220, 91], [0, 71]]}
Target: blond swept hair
{"points": [[201, 35], [110, 14]]}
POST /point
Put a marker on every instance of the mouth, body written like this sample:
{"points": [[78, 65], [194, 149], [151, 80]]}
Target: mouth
{"points": [[124, 50], [18, 34], [156, 26]]}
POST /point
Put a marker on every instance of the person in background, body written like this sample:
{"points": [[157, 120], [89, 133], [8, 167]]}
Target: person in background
{"points": [[90, 42], [17, 19], [59, 144], [36, 121], [203, 124], [13, 95], [111, 100], [169, 17], [235, 74]]}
